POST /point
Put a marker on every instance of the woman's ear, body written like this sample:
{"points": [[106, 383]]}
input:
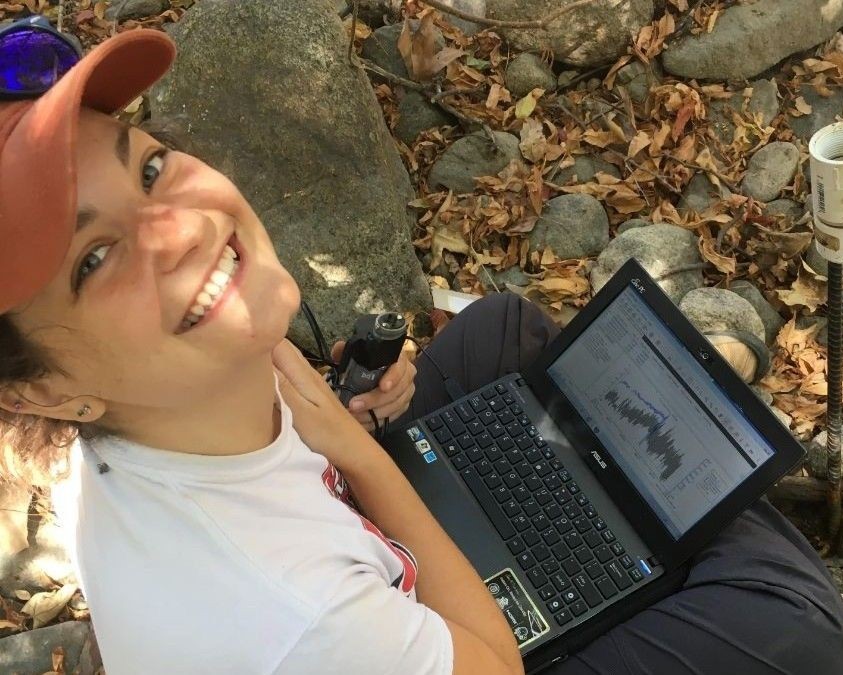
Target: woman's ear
{"points": [[47, 398]]}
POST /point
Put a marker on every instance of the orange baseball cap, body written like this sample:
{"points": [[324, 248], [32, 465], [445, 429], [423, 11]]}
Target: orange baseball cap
{"points": [[38, 155]]}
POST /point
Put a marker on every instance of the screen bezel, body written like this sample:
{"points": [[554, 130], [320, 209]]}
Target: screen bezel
{"points": [[671, 552]]}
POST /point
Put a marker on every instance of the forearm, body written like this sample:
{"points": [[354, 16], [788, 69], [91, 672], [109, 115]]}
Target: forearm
{"points": [[447, 583]]}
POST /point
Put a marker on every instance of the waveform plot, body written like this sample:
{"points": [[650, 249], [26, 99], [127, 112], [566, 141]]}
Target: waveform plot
{"points": [[660, 441]]}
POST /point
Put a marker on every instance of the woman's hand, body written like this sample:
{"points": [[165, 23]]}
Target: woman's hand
{"points": [[318, 416], [390, 398]]}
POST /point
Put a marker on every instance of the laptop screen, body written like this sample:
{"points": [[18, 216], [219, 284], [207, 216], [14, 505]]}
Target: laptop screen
{"points": [[665, 422]]}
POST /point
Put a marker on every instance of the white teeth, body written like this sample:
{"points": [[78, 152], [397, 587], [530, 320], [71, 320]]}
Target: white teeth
{"points": [[213, 288]]}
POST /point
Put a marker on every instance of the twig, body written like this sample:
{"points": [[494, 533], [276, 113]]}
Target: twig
{"points": [[453, 92], [496, 23], [584, 76], [691, 165], [688, 19], [355, 4], [584, 126], [368, 65]]}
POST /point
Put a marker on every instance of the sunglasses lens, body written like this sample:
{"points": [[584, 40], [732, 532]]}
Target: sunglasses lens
{"points": [[31, 61]]}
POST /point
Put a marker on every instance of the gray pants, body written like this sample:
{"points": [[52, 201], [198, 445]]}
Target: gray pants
{"points": [[758, 599]]}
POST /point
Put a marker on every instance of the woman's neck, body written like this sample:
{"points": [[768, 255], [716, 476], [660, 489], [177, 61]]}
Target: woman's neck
{"points": [[242, 418]]}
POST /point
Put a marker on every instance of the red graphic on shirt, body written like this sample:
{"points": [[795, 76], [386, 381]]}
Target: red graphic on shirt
{"points": [[334, 481]]}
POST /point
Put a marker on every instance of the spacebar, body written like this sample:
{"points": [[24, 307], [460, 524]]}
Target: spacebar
{"points": [[490, 506]]}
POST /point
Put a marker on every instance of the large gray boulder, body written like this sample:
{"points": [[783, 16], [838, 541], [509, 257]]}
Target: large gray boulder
{"points": [[750, 38], [591, 35], [265, 92], [471, 157], [669, 254], [31, 651], [573, 226]]}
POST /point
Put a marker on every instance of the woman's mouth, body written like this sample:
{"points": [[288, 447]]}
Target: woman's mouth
{"points": [[214, 288]]}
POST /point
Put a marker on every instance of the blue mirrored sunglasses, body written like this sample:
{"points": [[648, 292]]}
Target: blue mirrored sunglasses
{"points": [[33, 56]]}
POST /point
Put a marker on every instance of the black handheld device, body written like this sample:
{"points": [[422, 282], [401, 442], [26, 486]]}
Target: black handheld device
{"points": [[375, 345]]}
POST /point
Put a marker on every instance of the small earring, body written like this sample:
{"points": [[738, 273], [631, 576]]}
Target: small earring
{"points": [[84, 410], [18, 406]]}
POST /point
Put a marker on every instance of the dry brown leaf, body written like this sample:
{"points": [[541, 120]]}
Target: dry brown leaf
{"points": [[526, 105], [23, 595], [803, 106], [642, 140], [4, 624], [706, 243], [807, 291], [46, 606]]}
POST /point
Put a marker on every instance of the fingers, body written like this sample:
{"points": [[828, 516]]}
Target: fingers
{"points": [[296, 373], [337, 350], [390, 409], [398, 376]]}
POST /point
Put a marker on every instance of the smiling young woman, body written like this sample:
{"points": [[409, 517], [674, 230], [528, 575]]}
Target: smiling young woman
{"points": [[224, 512]]}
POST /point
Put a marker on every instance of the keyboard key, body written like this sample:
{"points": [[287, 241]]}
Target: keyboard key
{"points": [[583, 554], [560, 582], [541, 522], [531, 507], [489, 393], [516, 409], [520, 493], [500, 387], [484, 440], [571, 566], [505, 417], [532, 432], [443, 435], [563, 525], [494, 454], [533, 483], [524, 421], [523, 442], [592, 538], [531, 537], [488, 417], [563, 617], [635, 574], [512, 509], [555, 605], [526, 560], [484, 467], [533, 455], [502, 466], [608, 536], [493, 480], [603, 554], [540, 442], [581, 499], [521, 522], [434, 422], [514, 456], [542, 468], [617, 549], [466, 441], [570, 596], [475, 427], [617, 575], [552, 482], [599, 524], [508, 398], [583, 584], [582, 524], [502, 494], [594, 569], [511, 479], [516, 546], [464, 412], [551, 536], [546, 592], [562, 496], [505, 443], [513, 429], [627, 562], [560, 551], [573, 539], [475, 454], [540, 552], [451, 448], [460, 461], [550, 566], [572, 510], [578, 608], [606, 587], [524, 469], [553, 511], [477, 403], [537, 577], [573, 488], [565, 475], [589, 510], [487, 502], [557, 464], [496, 430], [496, 404]]}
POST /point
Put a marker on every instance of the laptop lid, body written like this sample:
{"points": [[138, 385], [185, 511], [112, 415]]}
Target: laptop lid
{"points": [[675, 436]]}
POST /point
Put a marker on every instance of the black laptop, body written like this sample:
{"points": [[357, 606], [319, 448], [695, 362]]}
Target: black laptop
{"points": [[580, 488]]}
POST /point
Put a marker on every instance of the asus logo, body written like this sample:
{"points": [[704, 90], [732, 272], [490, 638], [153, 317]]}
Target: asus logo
{"points": [[638, 285], [599, 459]]}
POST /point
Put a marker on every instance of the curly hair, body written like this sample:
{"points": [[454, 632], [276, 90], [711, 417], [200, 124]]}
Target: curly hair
{"points": [[34, 449]]}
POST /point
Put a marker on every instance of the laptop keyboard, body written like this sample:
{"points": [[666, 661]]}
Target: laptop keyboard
{"points": [[565, 548]]}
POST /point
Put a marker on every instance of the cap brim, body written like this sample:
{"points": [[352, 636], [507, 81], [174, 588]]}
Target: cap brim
{"points": [[38, 161]]}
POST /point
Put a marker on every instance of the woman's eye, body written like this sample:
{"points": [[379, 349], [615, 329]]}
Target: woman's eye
{"points": [[152, 169], [90, 263]]}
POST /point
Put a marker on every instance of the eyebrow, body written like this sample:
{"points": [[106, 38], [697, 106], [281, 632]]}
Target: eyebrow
{"points": [[122, 144]]}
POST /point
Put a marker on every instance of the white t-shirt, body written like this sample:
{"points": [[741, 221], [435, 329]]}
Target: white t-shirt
{"points": [[243, 564]]}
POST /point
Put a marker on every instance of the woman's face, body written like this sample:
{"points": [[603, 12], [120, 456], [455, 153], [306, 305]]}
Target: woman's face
{"points": [[152, 254]]}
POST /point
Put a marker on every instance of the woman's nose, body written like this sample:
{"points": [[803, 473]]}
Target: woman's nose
{"points": [[171, 233]]}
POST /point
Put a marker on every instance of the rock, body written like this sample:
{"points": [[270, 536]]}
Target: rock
{"points": [[584, 168], [472, 156], [750, 38], [771, 319], [659, 248], [633, 223], [513, 276], [784, 418], [527, 72], [416, 114], [716, 309], [121, 10], [316, 162], [786, 210], [573, 226], [36, 567], [770, 170], [763, 394], [824, 112], [637, 77], [31, 651], [701, 193], [821, 336], [592, 35], [762, 101], [818, 454], [381, 47], [473, 7], [565, 78]]}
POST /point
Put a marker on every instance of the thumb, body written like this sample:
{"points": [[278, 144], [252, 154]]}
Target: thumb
{"points": [[337, 350]]}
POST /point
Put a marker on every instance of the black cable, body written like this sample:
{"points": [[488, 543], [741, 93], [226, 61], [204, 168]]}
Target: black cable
{"points": [[452, 387]]}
